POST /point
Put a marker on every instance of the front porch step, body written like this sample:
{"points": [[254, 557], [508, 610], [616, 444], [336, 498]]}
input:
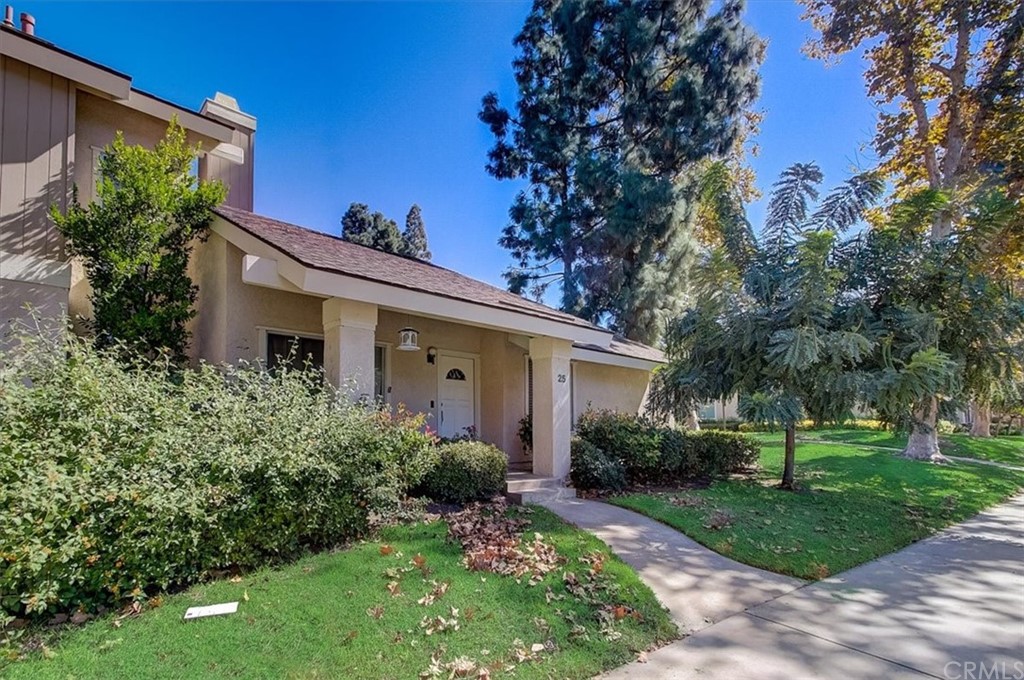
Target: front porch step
{"points": [[524, 487]]}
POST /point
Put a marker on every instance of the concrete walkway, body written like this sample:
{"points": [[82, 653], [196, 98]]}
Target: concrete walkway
{"points": [[697, 585], [929, 610]]}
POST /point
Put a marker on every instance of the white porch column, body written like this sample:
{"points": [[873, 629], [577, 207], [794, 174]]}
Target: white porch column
{"points": [[349, 329], [552, 413]]}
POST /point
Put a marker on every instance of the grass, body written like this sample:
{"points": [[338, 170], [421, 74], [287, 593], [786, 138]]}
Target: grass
{"points": [[856, 504], [314, 619], [1007, 450]]}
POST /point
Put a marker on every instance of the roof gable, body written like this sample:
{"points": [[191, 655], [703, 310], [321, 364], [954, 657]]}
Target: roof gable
{"points": [[330, 253]]}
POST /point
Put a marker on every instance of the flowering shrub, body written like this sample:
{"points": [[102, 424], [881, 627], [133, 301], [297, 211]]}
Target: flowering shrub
{"points": [[119, 480]]}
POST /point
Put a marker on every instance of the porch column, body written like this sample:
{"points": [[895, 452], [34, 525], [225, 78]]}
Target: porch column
{"points": [[552, 416], [349, 329]]}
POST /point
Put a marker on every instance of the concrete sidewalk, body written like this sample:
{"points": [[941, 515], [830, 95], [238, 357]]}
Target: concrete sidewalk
{"points": [[929, 610], [697, 585]]}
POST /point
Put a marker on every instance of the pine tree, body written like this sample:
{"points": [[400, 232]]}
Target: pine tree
{"points": [[414, 238], [617, 105], [374, 230], [357, 224]]}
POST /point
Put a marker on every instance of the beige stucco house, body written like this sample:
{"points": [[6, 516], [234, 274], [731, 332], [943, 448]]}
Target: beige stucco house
{"points": [[470, 355]]}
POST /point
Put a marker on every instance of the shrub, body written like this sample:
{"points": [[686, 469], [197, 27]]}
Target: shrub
{"points": [[117, 480], [592, 468], [640, 452], [630, 439], [716, 453], [466, 471]]}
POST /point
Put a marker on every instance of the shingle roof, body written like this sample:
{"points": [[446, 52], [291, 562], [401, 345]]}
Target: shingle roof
{"points": [[627, 348], [331, 253]]}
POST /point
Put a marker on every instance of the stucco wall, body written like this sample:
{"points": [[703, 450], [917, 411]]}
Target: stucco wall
{"points": [[230, 313], [500, 373], [600, 386]]}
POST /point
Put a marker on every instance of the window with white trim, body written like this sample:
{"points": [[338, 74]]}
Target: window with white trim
{"points": [[380, 373], [294, 350]]}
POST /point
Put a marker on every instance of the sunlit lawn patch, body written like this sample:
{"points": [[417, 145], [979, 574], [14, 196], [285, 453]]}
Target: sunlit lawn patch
{"points": [[856, 504], [392, 608], [1008, 450]]}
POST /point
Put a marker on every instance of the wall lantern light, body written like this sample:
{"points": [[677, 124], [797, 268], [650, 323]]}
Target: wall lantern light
{"points": [[431, 355], [408, 340]]}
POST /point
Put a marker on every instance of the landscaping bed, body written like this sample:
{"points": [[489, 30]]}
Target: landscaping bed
{"points": [[855, 504], [404, 605]]}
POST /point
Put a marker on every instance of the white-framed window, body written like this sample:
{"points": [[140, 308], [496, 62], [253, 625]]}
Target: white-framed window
{"points": [[277, 345], [281, 347], [96, 157], [382, 372], [528, 382], [707, 411]]}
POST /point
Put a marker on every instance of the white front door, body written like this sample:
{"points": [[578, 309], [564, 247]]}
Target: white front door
{"points": [[456, 396]]}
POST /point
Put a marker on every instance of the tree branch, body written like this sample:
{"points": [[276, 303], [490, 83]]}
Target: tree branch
{"points": [[994, 80], [923, 124]]}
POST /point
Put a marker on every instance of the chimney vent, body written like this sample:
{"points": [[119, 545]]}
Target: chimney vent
{"points": [[9, 16], [28, 24]]}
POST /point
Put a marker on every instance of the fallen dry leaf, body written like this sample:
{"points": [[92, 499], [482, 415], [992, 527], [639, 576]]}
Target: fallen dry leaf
{"points": [[386, 550], [493, 542]]}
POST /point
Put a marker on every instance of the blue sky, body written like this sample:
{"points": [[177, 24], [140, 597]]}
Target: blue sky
{"points": [[377, 102]]}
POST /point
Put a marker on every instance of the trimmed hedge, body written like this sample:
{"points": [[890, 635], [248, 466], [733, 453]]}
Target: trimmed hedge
{"points": [[466, 471], [648, 454], [118, 481]]}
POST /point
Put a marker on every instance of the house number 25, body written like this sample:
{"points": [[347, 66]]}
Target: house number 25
{"points": [[561, 377]]}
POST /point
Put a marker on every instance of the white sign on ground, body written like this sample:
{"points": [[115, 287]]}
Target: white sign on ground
{"points": [[211, 610]]}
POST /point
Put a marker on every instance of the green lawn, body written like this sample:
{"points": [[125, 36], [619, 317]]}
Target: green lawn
{"points": [[1008, 450], [856, 504], [316, 619]]}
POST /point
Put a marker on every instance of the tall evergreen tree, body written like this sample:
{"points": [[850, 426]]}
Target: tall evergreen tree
{"points": [[374, 230], [414, 238], [618, 102]]}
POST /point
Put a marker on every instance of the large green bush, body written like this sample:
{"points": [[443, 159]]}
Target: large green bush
{"points": [[593, 469], [119, 480], [632, 440], [466, 471], [613, 443]]}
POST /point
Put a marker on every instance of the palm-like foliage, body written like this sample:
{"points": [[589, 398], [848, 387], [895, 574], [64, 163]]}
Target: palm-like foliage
{"points": [[948, 322], [769, 322]]}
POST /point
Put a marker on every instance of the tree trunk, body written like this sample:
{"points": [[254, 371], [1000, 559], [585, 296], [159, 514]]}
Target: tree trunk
{"points": [[692, 421], [923, 443], [790, 464], [981, 419]]}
